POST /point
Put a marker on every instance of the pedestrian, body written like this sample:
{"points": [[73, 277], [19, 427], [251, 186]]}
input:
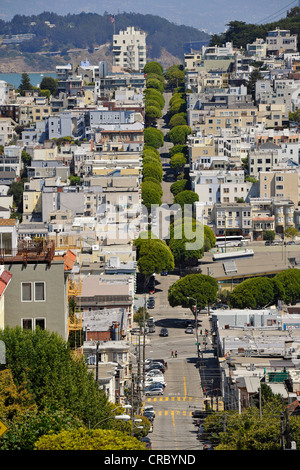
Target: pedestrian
{"points": [[175, 353], [172, 353]]}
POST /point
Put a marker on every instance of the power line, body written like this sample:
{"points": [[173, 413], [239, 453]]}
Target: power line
{"points": [[277, 12]]}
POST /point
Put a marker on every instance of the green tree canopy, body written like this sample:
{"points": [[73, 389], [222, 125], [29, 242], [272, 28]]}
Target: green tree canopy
{"points": [[175, 76], [178, 148], [177, 120], [290, 280], [152, 113], [153, 67], [89, 439], [153, 137], [150, 195], [25, 84], [155, 83], [201, 287], [186, 197], [178, 134], [253, 293], [44, 362], [179, 186], [153, 94], [153, 171], [178, 162], [49, 83], [153, 256]]}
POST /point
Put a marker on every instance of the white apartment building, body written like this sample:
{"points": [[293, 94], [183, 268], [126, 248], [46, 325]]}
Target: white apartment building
{"points": [[280, 40], [129, 50], [234, 218], [257, 49]]}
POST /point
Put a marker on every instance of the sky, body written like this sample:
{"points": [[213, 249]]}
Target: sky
{"points": [[211, 16]]}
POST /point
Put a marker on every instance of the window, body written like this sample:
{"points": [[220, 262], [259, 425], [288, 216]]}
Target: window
{"points": [[27, 323], [39, 292], [40, 323], [26, 291]]}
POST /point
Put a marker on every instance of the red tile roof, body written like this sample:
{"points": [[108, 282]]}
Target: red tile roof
{"points": [[4, 281]]}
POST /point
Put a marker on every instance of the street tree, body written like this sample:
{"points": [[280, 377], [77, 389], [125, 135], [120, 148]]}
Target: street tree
{"points": [[153, 67], [253, 293], [179, 186], [290, 280], [49, 83], [89, 439], [153, 137], [201, 287], [178, 134], [186, 197], [177, 163], [44, 362], [153, 256]]}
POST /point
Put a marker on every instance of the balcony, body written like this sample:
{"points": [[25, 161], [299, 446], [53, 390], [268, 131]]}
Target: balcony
{"points": [[29, 252]]}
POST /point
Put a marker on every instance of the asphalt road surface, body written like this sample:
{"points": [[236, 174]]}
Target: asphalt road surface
{"points": [[173, 427]]}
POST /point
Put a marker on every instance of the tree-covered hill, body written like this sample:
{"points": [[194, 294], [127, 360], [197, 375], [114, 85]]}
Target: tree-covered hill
{"points": [[240, 33], [88, 30]]}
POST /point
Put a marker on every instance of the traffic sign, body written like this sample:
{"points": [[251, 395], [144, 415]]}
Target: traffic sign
{"points": [[3, 428]]}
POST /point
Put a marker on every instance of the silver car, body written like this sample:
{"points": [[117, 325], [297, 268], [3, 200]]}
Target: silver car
{"points": [[154, 391]]}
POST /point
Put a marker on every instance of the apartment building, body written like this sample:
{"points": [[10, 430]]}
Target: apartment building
{"points": [[257, 49], [235, 218], [129, 50], [235, 118], [280, 41], [262, 159], [37, 293], [263, 218], [280, 184], [7, 130]]}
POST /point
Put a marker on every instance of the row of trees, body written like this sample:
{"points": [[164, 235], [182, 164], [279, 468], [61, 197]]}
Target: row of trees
{"points": [[264, 291], [265, 426]]}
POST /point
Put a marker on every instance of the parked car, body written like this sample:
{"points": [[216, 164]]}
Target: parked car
{"points": [[151, 328], [156, 366], [154, 391], [189, 330], [164, 332], [155, 361], [148, 415], [164, 273], [154, 373], [147, 441], [154, 385], [149, 409]]}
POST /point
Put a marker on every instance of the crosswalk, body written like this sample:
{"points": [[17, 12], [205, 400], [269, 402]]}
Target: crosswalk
{"points": [[216, 405], [160, 398]]}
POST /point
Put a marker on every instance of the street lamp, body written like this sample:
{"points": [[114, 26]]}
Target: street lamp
{"points": [[123, 417], [196, 318]]}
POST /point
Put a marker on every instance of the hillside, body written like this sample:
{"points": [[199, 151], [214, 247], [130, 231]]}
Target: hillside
{"points": [[60, 39], [241, 33]]}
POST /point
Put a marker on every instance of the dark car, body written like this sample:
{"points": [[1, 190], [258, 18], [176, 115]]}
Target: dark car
{"points": [[164, 273], [148, 415], [156, 365], [147, 441], [164, 332]]}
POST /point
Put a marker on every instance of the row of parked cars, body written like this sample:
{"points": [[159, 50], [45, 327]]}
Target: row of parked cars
{"points": [[198, 419], [154, 377]]}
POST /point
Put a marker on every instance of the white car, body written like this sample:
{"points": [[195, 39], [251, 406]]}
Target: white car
{"points": [[154, 373]]}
